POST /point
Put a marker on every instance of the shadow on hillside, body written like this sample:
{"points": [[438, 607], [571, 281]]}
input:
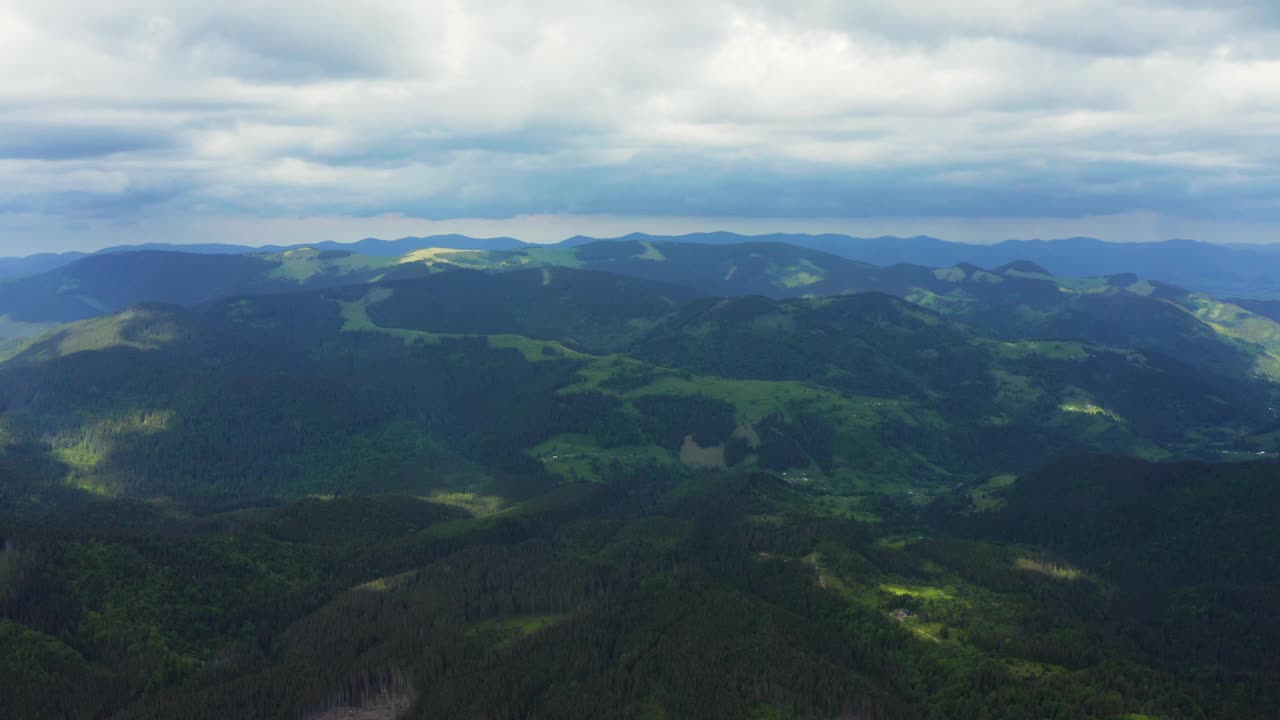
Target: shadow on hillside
{"points": [[363, 413]]}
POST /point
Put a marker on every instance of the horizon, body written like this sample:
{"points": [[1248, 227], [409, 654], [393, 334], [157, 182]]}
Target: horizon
{"points": [[272, 247]]}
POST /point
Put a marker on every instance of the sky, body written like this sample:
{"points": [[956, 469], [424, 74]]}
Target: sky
{"points": [[270, 122]]}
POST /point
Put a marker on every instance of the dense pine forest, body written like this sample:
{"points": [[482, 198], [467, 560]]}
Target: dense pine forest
{"points": [[633, 479]]}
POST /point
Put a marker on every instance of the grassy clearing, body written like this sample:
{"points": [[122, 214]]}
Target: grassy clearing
{"points": [[355, 314], [499, 632], [477, 505], [1141, 287], [924, 592], [77, 457], [650, 252], [533, 350], [844, 506], [934, 605], [451, 257], [757, 399], [76, 448], [862, 464], [1048, 568], [614, 367], [1088, 408], [753, 400], [893, 542], [1234, 321], [1029, 275], [94, 486], [933, 613], [561, 256], [580, 457], [388, 583], [990, 495], [1251, 331], [803, 274], [945, 304], [302, 264], [97, 334]]}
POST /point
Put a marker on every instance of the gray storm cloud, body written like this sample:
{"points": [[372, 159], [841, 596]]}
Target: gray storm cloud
{"points": [[116, 114]]}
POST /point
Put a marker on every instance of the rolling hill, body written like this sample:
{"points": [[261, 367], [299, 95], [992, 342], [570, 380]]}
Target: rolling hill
{"points": [[549, 373], [595, 311], [107, 283], [16, 267], [1018, 300], [1245, 271], [1266, 308], [1222, 270]]}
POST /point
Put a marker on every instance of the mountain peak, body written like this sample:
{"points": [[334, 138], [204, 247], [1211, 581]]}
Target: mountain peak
{"points": [[1025, 267]]}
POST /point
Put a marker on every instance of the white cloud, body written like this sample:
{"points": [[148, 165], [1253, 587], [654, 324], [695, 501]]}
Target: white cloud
{"points": [[119, 112]]}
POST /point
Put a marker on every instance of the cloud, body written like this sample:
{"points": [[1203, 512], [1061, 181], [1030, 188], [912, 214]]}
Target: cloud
{"points": [[120, 112], [67, 142]]}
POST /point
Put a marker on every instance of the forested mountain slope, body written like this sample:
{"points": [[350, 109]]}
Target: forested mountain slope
{"points": [[687, 595], [16, 267], [1267, 308], [103, 284], [565, 493], [592, 310], [1188, 545], [553, 373], [1251, 271], [1247, 271], [1018, 300]]}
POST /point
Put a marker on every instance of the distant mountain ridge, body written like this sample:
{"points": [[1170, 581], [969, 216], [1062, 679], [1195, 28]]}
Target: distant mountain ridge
{"points": [[1223, 270], [14, 267], [1015, 301], [1247, 271], [108, 282]]}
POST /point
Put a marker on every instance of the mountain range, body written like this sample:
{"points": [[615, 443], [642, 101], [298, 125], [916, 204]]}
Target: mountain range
{"points": [[1020, 300], [632, 478], [1224, 270], [13, 267], [1246, 271]]}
